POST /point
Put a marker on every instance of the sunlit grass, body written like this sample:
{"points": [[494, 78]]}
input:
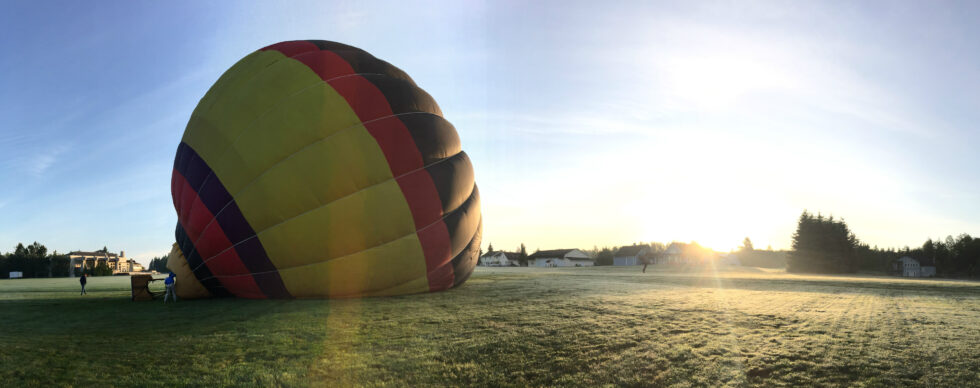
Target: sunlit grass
{"points": [[509, 327]]}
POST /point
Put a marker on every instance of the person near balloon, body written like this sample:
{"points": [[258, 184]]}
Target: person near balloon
{"points": [[169, 283], [82, 280]]}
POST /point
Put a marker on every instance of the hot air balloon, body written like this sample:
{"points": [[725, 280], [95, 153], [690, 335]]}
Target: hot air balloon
{"points": [[314, 169]]}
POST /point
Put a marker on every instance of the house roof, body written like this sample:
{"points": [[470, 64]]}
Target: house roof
{"points": [[97, 254], [632, 250], [675, 248], [550, 253], [908, 259], [510, 255]]}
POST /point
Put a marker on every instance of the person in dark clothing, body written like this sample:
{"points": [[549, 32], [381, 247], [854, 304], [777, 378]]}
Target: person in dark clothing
{"points": [[169, 283], [83, 280]]}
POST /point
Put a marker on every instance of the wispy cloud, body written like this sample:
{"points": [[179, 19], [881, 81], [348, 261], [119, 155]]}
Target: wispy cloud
{"points": [[37, 164]]}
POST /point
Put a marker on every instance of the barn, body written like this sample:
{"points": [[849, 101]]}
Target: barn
{"points": [[631, 255], [560, 258], [500, 259]]}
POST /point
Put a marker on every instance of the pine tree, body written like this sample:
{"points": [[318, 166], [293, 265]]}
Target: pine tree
{"points": [[747, 245], [522, 258], [823, 245]]}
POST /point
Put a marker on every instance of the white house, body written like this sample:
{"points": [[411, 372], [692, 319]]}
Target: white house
{"points": [[674, 254], [631, 255], [500, 259], [560, 258], [909, 267], [681, 253]]}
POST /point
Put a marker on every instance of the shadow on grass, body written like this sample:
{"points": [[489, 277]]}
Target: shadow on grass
{"points": [[105, 337]]}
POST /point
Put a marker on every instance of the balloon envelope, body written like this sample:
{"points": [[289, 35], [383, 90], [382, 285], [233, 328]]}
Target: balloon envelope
{"points": [[314, 169]]}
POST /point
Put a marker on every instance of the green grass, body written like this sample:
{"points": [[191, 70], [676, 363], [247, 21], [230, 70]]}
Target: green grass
{"points": [[508, 327]]}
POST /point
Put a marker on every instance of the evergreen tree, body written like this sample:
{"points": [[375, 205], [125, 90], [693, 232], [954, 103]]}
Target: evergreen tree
{"points": [[158, 264], [60, 265], [522, 257], [747, 245], [101, 269], [605, 256], [32, 261], [822, 245]]}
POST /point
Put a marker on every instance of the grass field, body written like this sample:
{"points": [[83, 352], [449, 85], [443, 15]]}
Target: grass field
{"points": [[508, 327]]}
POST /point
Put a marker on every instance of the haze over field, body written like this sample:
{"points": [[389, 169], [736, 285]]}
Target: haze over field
{"points": [[587, 123]]}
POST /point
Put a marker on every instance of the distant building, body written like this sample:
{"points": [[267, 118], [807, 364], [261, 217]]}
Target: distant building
{"points": [[131, 266], [729, 259], [117, 263], [500, 259], [674, 254], [908, 267], [631, 255], [681, 253], [560, 258]]}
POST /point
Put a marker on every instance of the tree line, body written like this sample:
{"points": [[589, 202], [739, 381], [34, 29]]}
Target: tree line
{"points": [[605, 255], [952, 257], [158, 264], [521, 253], [827, 245], [34, 261]]}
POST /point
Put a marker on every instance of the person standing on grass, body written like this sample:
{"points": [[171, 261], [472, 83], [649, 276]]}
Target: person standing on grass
{"points": [[83, 280], [169, 282]]}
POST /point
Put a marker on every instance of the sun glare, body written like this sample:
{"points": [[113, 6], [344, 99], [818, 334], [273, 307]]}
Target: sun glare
{"points": [[718, 81]]}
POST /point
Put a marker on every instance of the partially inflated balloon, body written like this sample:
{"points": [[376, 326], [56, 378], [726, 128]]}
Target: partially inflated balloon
{"points": [[314, 169]]}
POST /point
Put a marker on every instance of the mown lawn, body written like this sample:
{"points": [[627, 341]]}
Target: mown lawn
{"points": [[508, 327]]}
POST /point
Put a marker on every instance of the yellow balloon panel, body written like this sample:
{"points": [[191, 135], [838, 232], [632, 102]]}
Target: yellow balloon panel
{"points": [[390, 269], [341, 165], [242, 103], [302, 119], [370, 217], [240, 72]]}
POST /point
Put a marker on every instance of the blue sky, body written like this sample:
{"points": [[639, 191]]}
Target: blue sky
{"points": [[588, 124]]}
